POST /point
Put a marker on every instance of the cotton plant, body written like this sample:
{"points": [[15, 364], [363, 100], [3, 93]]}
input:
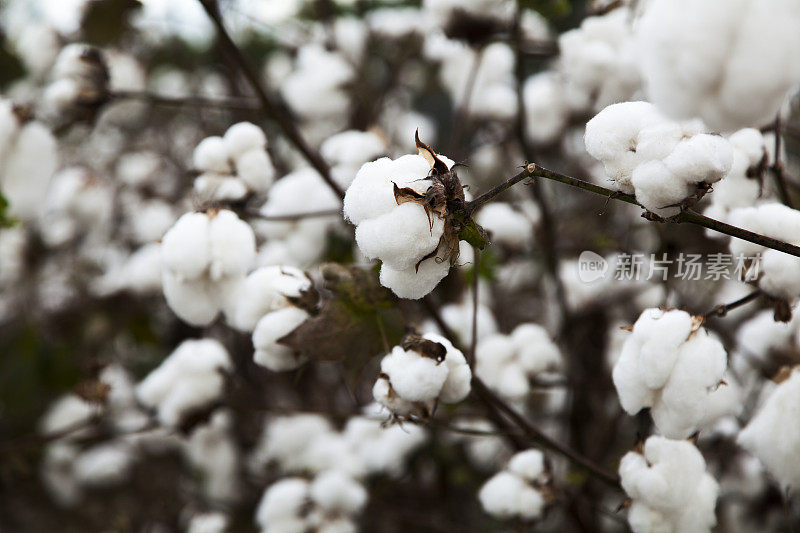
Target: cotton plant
{"points": [[419, 373], [189, 379], [507, 363], [205, 257], [234, 165], [403, 213], [669, 487], [674, 366], [521, 490], [506, 225], [778, 273], [331, 502], [728, 63], [772, 434], [271, 302], [667, 165], [28, 159]]}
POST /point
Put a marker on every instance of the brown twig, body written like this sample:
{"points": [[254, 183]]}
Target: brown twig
{"points": [[722, 309], [270, 104], [294, 216], [234, 103], [777, 166]]}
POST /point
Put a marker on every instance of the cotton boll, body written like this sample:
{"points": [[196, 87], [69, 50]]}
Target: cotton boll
{"points": [[416, 378], [411, 283], [703, 157], [188, 379], [232, 246], [725, 63], [104, 464], [255, 169], [286, 439], [773, 436], [528, 464], [194, 301], [506, 226], [212, 450], [669, 486], [781, 274], [265, 290], [314, 89], [401, 237], [212, 522], [282, 501], [240, 138], [272, 327], [384, 394], [545, 106], [185, 247], [459, 376], [353, 148], [69, 411], [506, 495], [335, 492], [211, 155]]}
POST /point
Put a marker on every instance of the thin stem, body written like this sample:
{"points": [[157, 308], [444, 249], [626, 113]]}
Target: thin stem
{"points": [[722, 309], [234, 103], [474, 343], [691, 217], [270, 105], [777, 166], [475, 204]]}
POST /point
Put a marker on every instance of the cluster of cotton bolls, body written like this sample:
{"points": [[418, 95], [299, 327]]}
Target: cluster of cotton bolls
{"points": [[779, 273], [206, 256], [79, 83], [402, 235], [265, 308], [28, 159], [772, 435], [662, 162], [420, 373], [191, 378], [518, 491], [673, 365], [507, 363], [329, 503], [729, 64], [669, 487], [233, 165], [308, 443]]}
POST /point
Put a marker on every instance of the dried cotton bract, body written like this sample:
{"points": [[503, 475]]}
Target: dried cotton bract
{"points": [[670, 488], [672, 365], [420, 372], [233, 165], [669, 166], [516, 492]]}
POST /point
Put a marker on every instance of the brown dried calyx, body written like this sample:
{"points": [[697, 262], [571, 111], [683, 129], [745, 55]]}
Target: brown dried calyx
{"points": [[443, 199], [426, 348]]}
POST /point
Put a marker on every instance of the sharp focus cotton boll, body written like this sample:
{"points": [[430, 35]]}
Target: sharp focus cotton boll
{"points": [[773, 435], [413, 376], [411, 283], [702, 157], [672, 365], [669, 486], [188, 379], [725, 62], [269, 329]]}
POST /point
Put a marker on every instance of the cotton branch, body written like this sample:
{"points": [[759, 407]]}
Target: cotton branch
{"points": [[233, 103], [722, 309], [270, 104], [295, 216], [535, 171]]}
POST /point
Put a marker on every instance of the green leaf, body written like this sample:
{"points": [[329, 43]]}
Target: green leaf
{"points": [[5, 220]]}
